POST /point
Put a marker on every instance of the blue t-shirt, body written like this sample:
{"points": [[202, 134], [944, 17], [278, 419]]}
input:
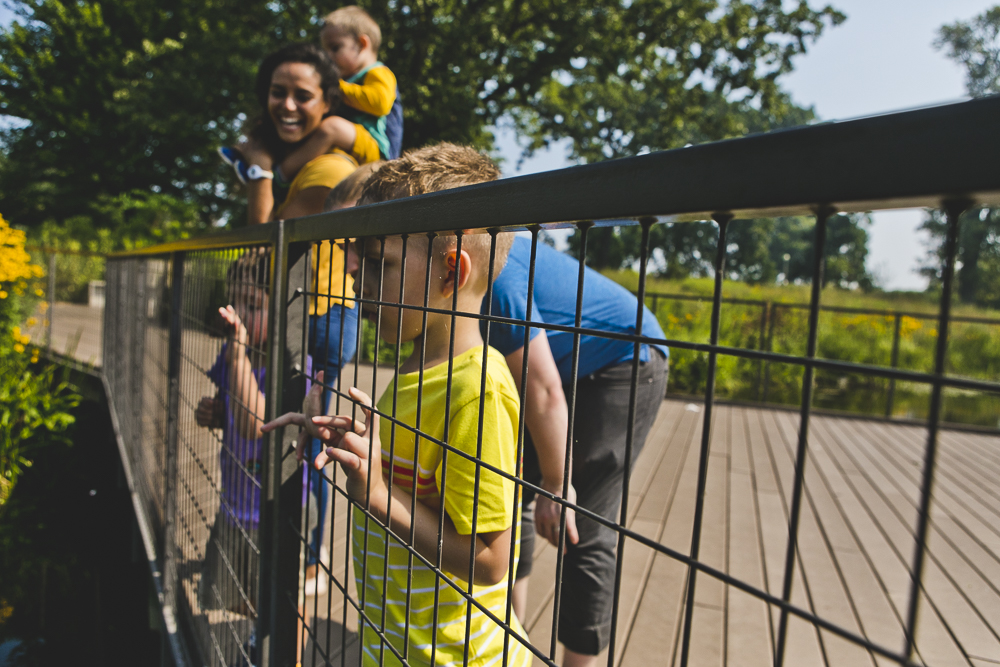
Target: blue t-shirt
{"points": [[607, 306]]}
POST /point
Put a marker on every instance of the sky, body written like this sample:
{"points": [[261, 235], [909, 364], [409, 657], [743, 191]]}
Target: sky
{"points": [[880, 59]]}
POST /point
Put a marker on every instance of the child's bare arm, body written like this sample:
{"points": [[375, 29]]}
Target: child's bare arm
{"points": [[333, 132], [260, 200], [355, 446], [246, 398]]}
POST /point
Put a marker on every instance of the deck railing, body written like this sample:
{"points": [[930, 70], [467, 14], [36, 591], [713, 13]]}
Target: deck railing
{"points": [[771, 313], [230, 584]]}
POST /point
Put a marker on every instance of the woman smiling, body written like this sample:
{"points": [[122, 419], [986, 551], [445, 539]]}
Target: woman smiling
{"points": [[296, 87]]}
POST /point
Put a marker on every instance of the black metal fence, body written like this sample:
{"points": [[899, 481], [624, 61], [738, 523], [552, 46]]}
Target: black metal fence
{"points": [[196, 487], [770, 314]]}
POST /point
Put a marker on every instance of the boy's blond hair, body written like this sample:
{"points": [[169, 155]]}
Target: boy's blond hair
{"points": [[356, 22], [349, 190], [440, 167]]}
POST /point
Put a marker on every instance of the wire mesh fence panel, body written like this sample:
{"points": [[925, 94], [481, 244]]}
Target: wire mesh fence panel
{"points": [[135, 351], [499, 412], [223, 363]]}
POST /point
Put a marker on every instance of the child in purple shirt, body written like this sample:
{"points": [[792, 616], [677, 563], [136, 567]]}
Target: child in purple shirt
{"points": [[232, 555]]}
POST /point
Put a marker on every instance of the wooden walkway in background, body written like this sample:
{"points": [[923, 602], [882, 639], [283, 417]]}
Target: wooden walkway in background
{"points": [[76, 332], [856, 543]]}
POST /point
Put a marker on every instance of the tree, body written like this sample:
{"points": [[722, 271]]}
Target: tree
{"points": [[978, 268], [134, 96], [755, 249], [125, 99], [976, 45]]}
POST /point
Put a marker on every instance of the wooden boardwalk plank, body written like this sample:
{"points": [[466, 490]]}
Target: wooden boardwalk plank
{"points": [[855, 540]]}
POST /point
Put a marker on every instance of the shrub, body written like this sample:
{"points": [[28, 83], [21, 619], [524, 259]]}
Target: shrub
{"points": [[34, 404]]}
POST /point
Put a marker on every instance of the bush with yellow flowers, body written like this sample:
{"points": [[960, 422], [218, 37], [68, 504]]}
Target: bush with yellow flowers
{"points": [[19, 277], [35, 398]]}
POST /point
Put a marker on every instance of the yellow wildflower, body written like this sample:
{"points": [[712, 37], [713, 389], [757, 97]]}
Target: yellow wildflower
{"points": [[31, 322], [16, 331], [18, 347], [39, 292], [3, 294]]}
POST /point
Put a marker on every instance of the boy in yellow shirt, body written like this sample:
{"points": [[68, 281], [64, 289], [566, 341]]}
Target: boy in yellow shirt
{"points": [[412, 484]]}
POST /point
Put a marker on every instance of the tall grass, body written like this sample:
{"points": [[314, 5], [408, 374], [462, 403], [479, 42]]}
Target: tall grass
{"points": [[973, 349]]}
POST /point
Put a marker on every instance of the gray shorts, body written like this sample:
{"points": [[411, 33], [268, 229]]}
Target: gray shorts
{"points": [[599, 438]]}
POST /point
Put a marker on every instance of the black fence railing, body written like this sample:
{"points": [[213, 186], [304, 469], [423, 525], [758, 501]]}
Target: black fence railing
{"points": [[230, 518]]}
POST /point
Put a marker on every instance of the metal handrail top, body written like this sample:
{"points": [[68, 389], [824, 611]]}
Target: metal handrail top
{"points": [[899, 160]]}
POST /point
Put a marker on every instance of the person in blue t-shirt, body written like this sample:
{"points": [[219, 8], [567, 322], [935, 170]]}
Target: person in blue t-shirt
{"points": [[602, 397]]}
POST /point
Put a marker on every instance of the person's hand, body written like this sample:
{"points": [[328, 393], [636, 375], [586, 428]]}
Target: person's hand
{"points": [[235, 329], [355, 446], [208, 414], [348, 442], [548, 513]]}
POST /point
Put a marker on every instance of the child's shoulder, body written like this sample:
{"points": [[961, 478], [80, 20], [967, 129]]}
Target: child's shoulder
{"points": [[468, 371]]}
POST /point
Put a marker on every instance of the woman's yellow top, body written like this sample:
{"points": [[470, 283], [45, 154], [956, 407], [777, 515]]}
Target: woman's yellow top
{"points": [[327, 278]]}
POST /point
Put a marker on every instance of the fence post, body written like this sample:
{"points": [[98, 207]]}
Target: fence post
{"points": [[894, 363], [281, 493], [173, 409], [765, 308], [52, 300], [772, 316]]}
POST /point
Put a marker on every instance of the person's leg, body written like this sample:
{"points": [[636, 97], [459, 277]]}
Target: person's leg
{"points": [[599, 433], [530, 472]]}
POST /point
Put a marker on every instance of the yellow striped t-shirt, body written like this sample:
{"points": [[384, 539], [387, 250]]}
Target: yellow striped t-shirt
{"points": [[407, 456]]}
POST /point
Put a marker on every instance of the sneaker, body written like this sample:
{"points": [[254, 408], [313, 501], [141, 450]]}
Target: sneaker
{"points": [[234, 159], [315, 586]]}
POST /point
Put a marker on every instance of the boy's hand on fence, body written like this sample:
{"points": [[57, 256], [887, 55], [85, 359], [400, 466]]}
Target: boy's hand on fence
{"points": [[355, 446], [548, 516]]}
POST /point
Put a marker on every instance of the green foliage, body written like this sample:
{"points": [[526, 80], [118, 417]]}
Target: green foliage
{"points": [[34, 407], [976, 45], [386, 351], [649, 75], [973, 350], [978, 274], [754, 254], [124, 97], [130, 99]]}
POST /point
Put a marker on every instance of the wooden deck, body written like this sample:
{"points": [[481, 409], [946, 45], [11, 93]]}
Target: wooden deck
{"points": [[856, 543], [856, 533]]}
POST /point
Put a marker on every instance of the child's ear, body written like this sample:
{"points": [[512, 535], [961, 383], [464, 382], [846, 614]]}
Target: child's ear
{"points": [[459, 267], [365, 42]]}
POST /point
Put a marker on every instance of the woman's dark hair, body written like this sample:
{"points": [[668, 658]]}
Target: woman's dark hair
{"points": [[310, 54]]}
